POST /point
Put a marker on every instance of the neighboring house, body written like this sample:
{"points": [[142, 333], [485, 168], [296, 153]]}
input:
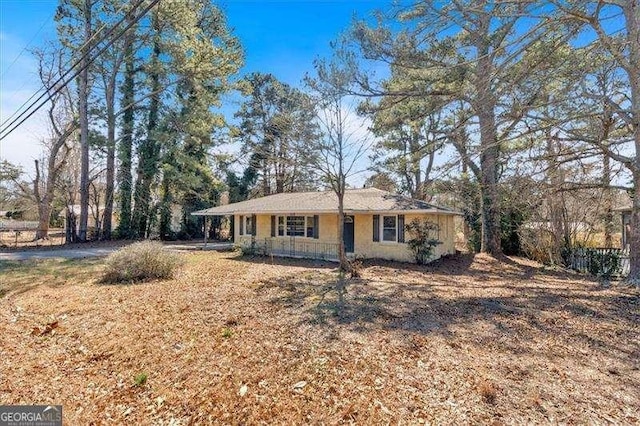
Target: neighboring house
{"points": [[305, 224], [625, 213], [92, 223]]}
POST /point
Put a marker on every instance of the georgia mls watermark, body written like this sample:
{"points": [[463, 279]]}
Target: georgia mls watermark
{"points": [[30, 415]]}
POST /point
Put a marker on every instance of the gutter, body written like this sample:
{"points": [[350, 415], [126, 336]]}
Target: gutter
{"points": [[313, 212]]}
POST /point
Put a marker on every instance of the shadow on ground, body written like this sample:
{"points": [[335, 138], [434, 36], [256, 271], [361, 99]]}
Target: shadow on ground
{"points": [[483, 301], [285, 261], [18, 276]]}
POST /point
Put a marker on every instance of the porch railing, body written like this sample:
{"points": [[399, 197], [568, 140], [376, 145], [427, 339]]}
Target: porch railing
{"points": [[298, 248], [591, 260]]}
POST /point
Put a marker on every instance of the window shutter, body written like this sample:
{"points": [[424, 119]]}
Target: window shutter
{"points": [[316, 226], [401, 228], [273, 226], [376, 227], [254, 226]]}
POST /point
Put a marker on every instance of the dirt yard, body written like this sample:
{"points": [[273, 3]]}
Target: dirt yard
{"points": [[242, 341]]}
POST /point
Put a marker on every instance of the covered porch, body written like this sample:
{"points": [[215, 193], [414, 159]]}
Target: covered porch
{"points": [[297, 248]]}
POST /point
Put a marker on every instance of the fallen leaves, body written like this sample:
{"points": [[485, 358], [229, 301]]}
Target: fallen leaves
{"points": [[49, 328], [469, 340]]}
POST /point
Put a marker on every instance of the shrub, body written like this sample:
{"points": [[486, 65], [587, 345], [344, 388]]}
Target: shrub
{"points": [[538, 243], [141, 261], [604, 264], [422, 243]]}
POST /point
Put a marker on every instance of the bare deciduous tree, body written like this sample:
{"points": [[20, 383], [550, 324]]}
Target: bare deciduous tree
{"points": [[344, 138], [623, 45], [62, 125]]}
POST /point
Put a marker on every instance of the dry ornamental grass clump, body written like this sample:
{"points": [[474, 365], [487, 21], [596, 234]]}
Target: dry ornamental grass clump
{"points": [[488, 391], [143, 261]]}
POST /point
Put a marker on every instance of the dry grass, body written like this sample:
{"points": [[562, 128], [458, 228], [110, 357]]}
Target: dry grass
{"points": [[238, 340], [488, 391], [26, 239]]}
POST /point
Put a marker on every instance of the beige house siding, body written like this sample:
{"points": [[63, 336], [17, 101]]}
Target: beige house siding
{"points": [[364, 246], [328, 230], [367, 248]]}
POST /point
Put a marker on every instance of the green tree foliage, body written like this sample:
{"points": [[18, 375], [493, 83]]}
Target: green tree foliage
{"points": [[410, 134], [475, 61], [276, 130], [423, 239], [203, 56]]}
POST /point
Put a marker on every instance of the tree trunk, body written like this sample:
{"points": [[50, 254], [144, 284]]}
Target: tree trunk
{"points": [[83, 95], [415, 148], [634, 234], [111, 154], [266, 181], [149, 150], [609, 225], [44, 216], [490, 212], [165, 208], [555, 200], [126, 140], [280, 183], [342, 254], [485, 108], [632, 15]]}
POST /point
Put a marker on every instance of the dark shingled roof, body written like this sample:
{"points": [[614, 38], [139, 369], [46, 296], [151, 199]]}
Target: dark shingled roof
{"points": [[355, 201]]}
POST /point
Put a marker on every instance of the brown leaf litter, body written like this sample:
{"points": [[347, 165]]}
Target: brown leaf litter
{"points": [[466, 340]]}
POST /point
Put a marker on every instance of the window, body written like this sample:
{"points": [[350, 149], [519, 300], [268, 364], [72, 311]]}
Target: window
{"points": [[389, 228], [281, 226], [248, 225], [295, 226], [310, 226]]}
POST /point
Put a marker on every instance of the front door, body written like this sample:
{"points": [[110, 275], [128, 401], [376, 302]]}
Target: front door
{"points": [[348, 235]]}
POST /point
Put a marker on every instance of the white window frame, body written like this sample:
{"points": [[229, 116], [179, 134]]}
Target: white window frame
{"points": [[286, 227], [246, 218], [382, 228], [306, 226]]}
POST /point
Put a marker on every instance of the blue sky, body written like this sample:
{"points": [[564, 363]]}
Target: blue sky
{"points": [[280, 37]]}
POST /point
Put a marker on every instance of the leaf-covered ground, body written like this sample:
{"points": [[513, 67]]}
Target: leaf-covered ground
{"points": [[244, 341]]}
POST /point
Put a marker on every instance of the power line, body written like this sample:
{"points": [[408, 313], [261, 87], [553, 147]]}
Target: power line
{"points": [[87, 52], [24, 49], [82, 47], [56, 84]]}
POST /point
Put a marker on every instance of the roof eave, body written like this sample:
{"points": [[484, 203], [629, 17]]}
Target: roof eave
{"points": [[318, 211]]}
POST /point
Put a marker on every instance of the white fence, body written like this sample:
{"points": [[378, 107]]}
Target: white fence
{"points": [[587, 260]]}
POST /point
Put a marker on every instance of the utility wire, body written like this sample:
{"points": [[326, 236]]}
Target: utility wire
{"points": [[24, 49], [59, 84], [82, 48], [4, 126]]}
